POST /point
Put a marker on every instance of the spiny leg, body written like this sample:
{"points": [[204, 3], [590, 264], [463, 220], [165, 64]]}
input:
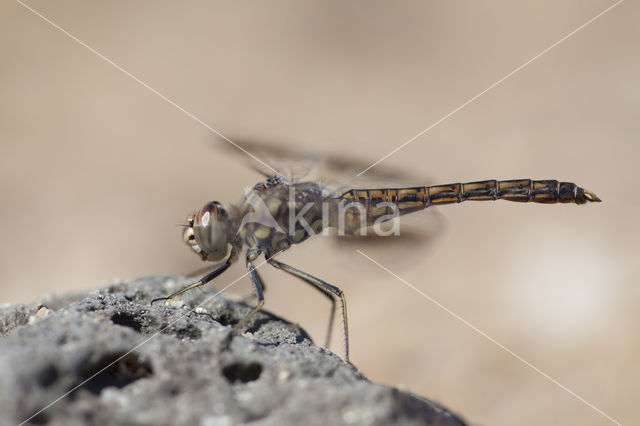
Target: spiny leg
{"points": [[201, 271], [257, 283], [325, 288], [202, 281]]}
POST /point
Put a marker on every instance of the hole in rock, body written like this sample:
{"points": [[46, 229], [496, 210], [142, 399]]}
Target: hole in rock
{"points": [[126, 319], [122, 373], [242, 372]]}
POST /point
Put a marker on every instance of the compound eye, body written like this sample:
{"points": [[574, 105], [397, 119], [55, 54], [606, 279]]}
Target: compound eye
{"points": [[211, 212], [210, 230]]}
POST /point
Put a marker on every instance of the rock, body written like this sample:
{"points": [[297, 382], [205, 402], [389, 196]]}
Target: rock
{"points": [[109, 357]]}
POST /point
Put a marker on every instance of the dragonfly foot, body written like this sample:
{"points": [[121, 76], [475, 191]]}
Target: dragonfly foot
{"points": [[167, 298]]}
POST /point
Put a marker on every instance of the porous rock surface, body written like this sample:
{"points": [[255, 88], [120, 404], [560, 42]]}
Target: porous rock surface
{"points": [[168, 364]]}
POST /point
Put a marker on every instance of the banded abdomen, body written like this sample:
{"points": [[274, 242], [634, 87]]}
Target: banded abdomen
{"points": [[378, 203]]}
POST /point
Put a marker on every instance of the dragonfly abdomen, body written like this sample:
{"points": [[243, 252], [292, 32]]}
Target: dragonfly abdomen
{"points": [[381, 202], [520, 190]]}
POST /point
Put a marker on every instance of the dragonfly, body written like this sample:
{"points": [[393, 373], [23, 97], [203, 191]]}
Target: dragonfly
{"points": [[279, 212]]}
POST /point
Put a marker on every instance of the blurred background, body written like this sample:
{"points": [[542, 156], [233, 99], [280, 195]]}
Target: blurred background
{"points": [[96, 171]]}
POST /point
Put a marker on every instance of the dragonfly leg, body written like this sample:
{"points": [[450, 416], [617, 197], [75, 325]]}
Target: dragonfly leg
{"points": [[320, 288], [201, 271], [257, 283], [250, 297], [328, 290], [202, 281]]}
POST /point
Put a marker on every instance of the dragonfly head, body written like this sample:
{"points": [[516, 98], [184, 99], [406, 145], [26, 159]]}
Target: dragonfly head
{"points": [[207, 232]]}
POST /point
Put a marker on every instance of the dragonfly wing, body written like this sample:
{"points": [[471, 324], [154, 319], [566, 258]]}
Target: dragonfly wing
{"points": [[336, 170]]}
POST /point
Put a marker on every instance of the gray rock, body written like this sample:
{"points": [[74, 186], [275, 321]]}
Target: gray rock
{"points": [[108, 357]]}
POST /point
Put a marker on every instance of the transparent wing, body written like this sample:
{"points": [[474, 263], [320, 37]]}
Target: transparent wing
{"points": [[337, 171]]}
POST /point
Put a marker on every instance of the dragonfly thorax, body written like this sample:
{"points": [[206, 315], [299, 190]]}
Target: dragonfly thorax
{"points": [[208, 232]]}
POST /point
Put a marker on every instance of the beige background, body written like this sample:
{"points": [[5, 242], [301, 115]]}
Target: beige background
{"points": [[96, 171]]}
